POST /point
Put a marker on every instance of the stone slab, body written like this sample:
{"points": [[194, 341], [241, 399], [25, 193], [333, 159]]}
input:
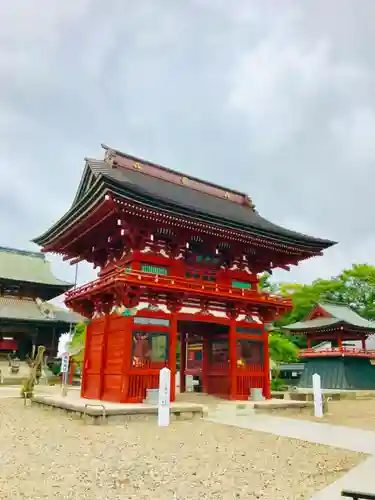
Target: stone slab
{"points": [[102, 410], [334, 394], [273, 404]]}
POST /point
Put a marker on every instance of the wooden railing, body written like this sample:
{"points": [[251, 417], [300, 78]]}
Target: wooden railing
{"points": [[356, 495], [337, 351], [192, 286]]}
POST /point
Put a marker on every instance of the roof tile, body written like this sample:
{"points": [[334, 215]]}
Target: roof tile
{"points": [[15, 308], [21, 265]]}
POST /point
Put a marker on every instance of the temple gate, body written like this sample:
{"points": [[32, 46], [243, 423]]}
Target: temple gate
{"points": [[175, 255]]}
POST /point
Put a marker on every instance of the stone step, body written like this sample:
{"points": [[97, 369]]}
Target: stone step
{"points": [[233, 408]]}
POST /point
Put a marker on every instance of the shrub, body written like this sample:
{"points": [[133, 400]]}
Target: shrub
{"points": [[278, 385]]}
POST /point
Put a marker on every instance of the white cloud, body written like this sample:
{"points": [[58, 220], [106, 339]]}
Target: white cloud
{"points": [[277, 84], [24, 23], [354, 133]]}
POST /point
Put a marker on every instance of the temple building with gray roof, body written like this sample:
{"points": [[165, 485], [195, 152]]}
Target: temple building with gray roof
{"points": [[27, 318]]}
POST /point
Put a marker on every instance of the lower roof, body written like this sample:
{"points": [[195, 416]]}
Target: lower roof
{"points": [[337, 314], [312, 324], [21, 309]]}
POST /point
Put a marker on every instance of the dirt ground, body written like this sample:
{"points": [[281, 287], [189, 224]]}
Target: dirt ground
{"points": [[44, 455], [351, 413]]}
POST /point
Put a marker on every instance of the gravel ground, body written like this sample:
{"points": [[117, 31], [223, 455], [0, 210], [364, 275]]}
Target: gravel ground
{"points": [[351, 413], [46, 455]]}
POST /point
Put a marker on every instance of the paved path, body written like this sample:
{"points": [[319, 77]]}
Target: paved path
{"points": [[360, 478]]}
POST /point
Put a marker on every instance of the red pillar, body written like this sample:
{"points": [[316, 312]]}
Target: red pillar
{"points": [[339, 340], [182, 361], [172, 353], [266, 365], [364, 344], [72, 369], [205, 363], [126, 332], [232, 360], [86, 359], [103, 357]]}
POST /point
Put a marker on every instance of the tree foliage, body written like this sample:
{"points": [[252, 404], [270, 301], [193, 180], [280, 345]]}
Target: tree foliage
{"points": [[282, 350], [359, 289], [266, 285], [354, 287], [76, 346]]}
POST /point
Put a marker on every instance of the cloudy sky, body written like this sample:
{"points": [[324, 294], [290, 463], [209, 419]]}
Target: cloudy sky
{"points": [[276, 98]]}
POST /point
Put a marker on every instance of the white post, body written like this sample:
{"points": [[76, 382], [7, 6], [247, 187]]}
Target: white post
{"points": [[318, 398], [164, 403], [64, 371]]}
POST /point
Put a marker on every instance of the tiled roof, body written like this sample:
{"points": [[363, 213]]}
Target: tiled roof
{"points": [[196, 202], [345, 313], [312, 323], [21, 265], [160, 194], [15, 308], [338, 314]]}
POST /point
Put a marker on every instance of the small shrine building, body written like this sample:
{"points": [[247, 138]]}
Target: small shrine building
{"points": [[176, 256], [337, 348], [27, 318]]}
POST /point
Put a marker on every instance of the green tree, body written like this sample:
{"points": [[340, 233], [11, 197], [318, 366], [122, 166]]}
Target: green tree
{"points": [[76, 346], [354, 287], [282, 350], [266, 285], [358, 290], [305, 296]]}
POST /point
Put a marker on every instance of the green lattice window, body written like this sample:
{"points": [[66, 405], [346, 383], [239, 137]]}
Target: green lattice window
{"points": [[128, 269], [201, 259], [149, 268], [200, 275], [249, 331], [242, 284]]}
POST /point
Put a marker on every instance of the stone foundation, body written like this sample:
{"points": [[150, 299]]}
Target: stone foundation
{"points": [[97, 413]]}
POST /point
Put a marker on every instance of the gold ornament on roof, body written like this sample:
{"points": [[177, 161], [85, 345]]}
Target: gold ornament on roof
{"points": [[109, 156], [184, 180], [137, 165], [249, 203], [226, 195]]}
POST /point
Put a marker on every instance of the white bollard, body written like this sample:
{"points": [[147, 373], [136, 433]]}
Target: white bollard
{"points": [[164, 404], [318, 397], [64, 370]]}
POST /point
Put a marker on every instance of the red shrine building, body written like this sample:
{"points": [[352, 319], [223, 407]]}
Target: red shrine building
{"points": [[176, 256]]}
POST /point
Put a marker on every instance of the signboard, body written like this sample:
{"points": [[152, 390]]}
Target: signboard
{"points": [[164, 403], [65, 362], [318, 396]]}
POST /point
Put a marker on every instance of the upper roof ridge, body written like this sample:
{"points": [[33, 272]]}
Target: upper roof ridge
{"points": [[114, 157], [332, 303]]}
